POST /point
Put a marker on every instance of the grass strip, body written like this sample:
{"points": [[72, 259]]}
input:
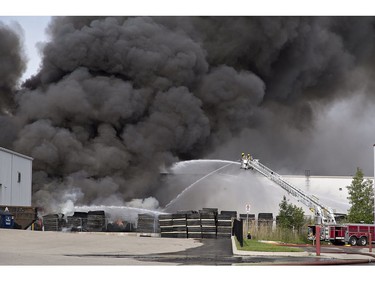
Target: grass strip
{"points": [[254, 245]]}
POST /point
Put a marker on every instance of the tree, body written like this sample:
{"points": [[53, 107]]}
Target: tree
{"points": [[361, 198], [290, 216]]}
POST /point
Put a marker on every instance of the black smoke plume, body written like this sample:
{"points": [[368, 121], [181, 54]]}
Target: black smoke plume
{"points": [[118, 98]]}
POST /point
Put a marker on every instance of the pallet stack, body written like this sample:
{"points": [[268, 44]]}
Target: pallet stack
{"points": [[147, 223], [179, 225], [205, 223], [166, 225], [53, 222], [232, 214], [193, 222], [77, 222], [224, 223], [250, 216], [208, 222], [265, 220], [96, 221]]}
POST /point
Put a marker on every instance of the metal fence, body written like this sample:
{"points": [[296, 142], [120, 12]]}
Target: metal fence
{"points": [[238, 230]]}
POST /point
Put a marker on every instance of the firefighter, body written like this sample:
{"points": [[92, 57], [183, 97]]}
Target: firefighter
{"points": [[243, 156], [249, 158]]}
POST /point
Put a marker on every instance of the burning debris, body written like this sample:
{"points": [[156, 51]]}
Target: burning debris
{"points": [[120, 226], [91, 221]]}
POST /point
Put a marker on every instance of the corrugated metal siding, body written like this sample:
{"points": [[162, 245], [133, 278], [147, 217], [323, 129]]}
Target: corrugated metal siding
{"points": [[21, 187], [5, 178], [12, 191]]}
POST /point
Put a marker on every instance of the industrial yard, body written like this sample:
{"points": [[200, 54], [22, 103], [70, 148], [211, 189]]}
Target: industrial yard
{"points": [[171, 140], [58, 248]]}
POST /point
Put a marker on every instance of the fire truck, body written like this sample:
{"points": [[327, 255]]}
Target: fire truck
{"points": [[352, 234]]}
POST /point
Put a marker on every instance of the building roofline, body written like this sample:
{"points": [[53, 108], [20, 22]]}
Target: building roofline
{"points": [[16, 153]]}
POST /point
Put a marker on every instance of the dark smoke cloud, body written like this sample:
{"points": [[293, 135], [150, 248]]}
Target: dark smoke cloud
{"points": [[119, 98], [12, 65]]}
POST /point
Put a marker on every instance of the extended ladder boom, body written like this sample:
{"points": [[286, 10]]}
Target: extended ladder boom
{"points": [[308, 201]]}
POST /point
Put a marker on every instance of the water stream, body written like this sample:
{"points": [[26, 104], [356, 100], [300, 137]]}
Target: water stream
{"points": [[200, 179], [119, 212]]}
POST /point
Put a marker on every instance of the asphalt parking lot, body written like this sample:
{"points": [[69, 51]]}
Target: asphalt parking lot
{"points": [[21, 247]]}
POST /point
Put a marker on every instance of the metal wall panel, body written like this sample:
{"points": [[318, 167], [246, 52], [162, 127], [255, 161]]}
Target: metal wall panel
{"points": [[15, 179], [5, 178], [21, 181]]}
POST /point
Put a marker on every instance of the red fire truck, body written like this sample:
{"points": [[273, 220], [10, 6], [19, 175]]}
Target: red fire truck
{"points": [[351, 233]]}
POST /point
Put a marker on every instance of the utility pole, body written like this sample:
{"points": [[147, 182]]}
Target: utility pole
{"points": [[373, 183]]}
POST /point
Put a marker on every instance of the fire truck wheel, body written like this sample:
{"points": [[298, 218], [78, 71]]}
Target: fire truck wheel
{"points": [[353, 240], [362, 241]]}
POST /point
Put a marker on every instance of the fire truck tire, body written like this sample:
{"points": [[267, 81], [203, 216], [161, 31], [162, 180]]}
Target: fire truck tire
{"points": [[362, 241], [353, 241]]}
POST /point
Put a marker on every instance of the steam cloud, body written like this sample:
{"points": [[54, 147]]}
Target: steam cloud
{"points": [[117, 98]]}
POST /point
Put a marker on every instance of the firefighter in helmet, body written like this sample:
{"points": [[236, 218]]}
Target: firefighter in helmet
{"points": [[243, 157], [249, 158]]}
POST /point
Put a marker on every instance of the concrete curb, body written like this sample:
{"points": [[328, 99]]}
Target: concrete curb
{"points": [[327, 258]]}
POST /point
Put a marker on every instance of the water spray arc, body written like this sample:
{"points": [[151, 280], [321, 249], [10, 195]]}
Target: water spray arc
{"points": [[199, 180], [124, 208]]}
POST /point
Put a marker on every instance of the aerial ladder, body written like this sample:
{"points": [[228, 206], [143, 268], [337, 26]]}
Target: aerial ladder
{"points": [[323, 214]]}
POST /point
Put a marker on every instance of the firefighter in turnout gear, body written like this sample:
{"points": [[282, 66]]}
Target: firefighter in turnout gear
{"points": [[249, 159], [243, 161]]}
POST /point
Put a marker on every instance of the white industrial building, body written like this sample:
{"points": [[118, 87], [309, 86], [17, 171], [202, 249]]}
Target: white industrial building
{"points": [[15, 178]]}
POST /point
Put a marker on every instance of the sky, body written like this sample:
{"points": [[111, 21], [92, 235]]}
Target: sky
{"points": [[33, 30]]}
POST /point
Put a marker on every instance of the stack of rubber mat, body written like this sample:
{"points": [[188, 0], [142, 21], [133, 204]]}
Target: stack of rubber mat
{"points": [[147, 223], [224, 223], [77, 222], [265, 219], [53, 222], [208, 222], [166, 225], [193, 222], [179, 225], [232, 214], [244, 217], [205, 223], [96, 221]]}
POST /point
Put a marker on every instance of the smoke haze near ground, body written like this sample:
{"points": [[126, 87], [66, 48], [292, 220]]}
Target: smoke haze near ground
{"points": [[118, 98]]}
